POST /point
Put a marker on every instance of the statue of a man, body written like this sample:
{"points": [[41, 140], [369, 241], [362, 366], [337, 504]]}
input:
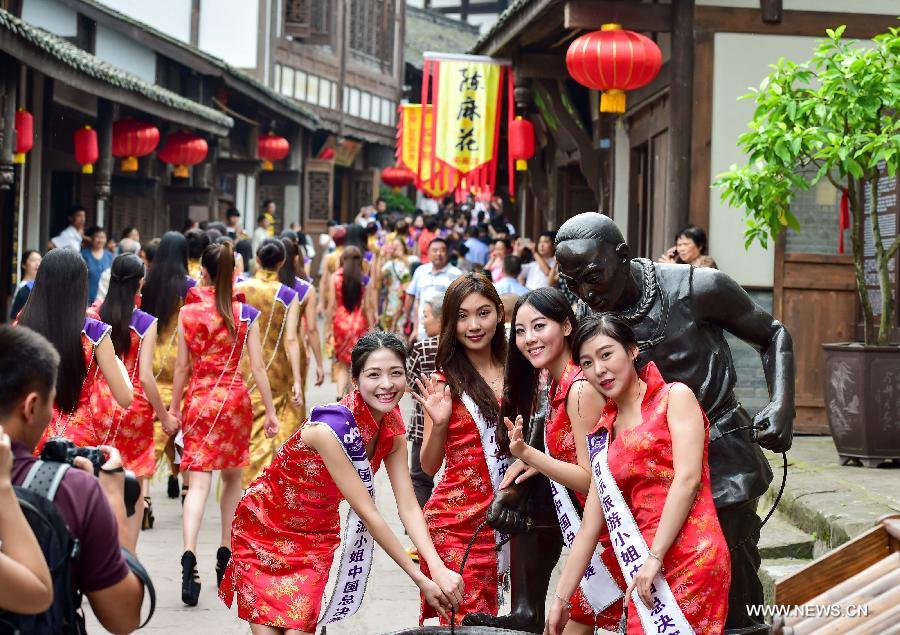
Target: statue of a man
{"points": [[680, 315]]}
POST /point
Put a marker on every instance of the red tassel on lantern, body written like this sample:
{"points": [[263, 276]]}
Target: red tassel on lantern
{"points": [[843, 219], [613, 60], [87, 151], [183, 149], [24, 125], [132, 139], [521, 142], [270, 148]]}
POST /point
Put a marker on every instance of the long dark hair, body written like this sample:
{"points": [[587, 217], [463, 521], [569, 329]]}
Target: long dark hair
{"points": [[218, 260], [124, 281], [165, 284], [451, 356], [55, 309], [288, 270], [521, 378], [371, 342], [357, 237], [25, 256], [351, 287]]}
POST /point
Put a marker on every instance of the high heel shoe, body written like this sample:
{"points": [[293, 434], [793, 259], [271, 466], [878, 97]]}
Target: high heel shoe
{"points": [[147, 520], [223, 556], [172, 486], [190, 579]]}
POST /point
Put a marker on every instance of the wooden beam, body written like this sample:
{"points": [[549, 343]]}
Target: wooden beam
{"points": [[701, 129], [513, 27], [540, 65], [811, 23], [591, 14], [681, 104]]}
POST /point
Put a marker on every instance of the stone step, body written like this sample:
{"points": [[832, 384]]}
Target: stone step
{"points": [[773, 569], [780, 539]]}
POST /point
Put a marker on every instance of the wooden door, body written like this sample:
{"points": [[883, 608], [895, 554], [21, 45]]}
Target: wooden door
{"points": [[318, 194], [648, 196]]}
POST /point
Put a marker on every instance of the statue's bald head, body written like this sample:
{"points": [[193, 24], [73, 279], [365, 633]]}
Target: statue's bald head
{"points": [[590, 226]]}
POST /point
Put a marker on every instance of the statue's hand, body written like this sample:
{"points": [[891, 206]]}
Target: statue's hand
{"points": [[776, 427], [505, 511]]}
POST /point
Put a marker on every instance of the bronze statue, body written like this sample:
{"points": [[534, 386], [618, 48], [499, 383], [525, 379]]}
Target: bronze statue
{"points": [[679, 314]]}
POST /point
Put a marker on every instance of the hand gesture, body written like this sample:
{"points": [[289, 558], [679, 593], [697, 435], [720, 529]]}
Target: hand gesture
{"points": [[557, 618], [517, 445], [451, 584], [435, 598], [271, 425], [170, 423], [642, 581], [518, 472], [6, 459], [437, 403]]}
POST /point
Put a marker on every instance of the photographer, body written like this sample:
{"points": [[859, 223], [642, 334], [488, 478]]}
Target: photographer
{"points": [[92, 507]]}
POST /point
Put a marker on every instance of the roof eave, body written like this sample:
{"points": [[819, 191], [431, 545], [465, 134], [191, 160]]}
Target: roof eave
{"points": [[308, 121], [495, 41]]}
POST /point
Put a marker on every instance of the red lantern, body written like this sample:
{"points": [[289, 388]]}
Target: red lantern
{"points": [[24, 124], [326, 154], [397, 176], [183, 149], [132, 139], [521, 142], [270, 147], [613, 60], [87, 150]]}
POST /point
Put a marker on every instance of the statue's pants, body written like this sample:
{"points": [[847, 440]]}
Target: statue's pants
{"points": [[741, 526]]}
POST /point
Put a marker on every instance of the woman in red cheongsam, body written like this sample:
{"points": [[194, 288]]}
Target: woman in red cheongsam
{"points": [[55, 309], [214, 330], [542, 326], [470, 355], [287, 526], [349, 312], [658, 457], [134, 338]]}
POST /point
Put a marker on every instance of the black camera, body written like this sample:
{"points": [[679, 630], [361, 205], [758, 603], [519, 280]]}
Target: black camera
{"points": [[62, 450]]}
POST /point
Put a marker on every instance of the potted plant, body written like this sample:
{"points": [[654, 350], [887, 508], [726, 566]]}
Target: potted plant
{"points": [[835, 117]]}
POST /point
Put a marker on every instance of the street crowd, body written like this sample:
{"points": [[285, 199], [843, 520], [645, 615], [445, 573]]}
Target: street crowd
{"points": [[190, 353]]}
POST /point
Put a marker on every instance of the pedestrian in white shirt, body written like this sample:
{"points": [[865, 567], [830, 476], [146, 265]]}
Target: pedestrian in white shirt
{"points": [[432, 277], [71, 236], [536, 275]]}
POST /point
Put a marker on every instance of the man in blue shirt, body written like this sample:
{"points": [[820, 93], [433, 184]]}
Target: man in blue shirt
{"points": [[509, 283], [433, 277], [477, 250]]}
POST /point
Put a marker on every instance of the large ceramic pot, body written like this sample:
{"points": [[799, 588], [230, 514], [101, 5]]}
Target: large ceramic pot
{"points": [[862, 400]]}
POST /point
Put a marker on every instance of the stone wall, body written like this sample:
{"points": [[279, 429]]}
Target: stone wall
{"points": [[751, 388]]}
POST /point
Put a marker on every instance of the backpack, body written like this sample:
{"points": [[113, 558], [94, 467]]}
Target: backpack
{"points": [[60, 549]]}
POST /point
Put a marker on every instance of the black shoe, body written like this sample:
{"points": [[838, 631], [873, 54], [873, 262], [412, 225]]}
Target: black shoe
{"points": [[147, 520], [172, 487], [190, 579], [223, 556], [184, 491]]}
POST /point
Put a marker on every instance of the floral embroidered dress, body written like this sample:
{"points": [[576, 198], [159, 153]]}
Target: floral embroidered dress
{"points": [[294, 416], [130, 429], [394, 278], [273, 299], [287, 528], [561, 446], [216, 416], [348, 326], [697, 566], [455, 510], [94, 411]]}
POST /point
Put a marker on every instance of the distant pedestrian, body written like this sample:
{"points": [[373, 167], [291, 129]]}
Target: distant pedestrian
{"points": [[536, 274], [477, 251], [31, 261], [97, 258], [689, 249], [72, 236], [436, 275], [261, 232], [509, 283]]}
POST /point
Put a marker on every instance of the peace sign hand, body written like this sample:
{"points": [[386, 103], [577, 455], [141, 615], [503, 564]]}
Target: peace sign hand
{"points": [[437, 402], [517, 445]]}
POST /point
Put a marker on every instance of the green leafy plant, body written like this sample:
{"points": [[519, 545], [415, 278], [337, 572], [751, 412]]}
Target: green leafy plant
{"points": [[833, 117], [397, 201]]}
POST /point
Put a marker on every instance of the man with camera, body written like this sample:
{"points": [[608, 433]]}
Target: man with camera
{"points": [[92, 506]]}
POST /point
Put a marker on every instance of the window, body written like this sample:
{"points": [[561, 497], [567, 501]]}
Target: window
{"points": [[365, 109], [308, 19], [300, 85], [324, 93], [276, 79], [354, 102], [312, 91], [333, 95], [345, 103], [372, 29], [386, 107], [287, 81]]}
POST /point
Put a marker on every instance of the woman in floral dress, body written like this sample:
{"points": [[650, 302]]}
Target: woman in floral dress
{"points": [[214, 330], [394, 278]]}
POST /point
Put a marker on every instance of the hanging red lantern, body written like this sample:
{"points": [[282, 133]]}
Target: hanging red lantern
{"points": [[270, 148], [132, 139], [24, 125], [183, 149], [521, 142], [613, 60], [326, 154], [397, 176], [87, 151]]}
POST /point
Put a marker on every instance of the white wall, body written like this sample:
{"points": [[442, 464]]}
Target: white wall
{"points": [[51, 16], [741, 61], [172, 17], [621, 166], [125, 53], [230, 29], [885, 7]]}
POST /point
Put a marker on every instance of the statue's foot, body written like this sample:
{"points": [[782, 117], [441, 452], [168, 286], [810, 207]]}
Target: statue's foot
{"points": [[517, 621]]}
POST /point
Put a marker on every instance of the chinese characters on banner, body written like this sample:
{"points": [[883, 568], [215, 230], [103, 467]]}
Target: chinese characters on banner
{"points": [[414, 151]]}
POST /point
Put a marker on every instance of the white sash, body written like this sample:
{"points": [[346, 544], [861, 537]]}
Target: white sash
{"points": [[497, 465], [357, 545], [629, 545], [597, 584]]}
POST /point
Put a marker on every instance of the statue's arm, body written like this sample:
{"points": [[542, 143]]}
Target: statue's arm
{"points": [[717, 298]]}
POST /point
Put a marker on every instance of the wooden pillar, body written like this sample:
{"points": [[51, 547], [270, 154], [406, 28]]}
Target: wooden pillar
{"points": [[103, 179], [680, 117], [10, 80]]}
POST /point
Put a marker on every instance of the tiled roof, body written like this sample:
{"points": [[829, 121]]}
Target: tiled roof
{"points": [[511, 11], [83, 62], [433, 31]]}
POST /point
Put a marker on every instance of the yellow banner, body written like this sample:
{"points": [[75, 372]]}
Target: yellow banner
{"points": [[467, 98]]}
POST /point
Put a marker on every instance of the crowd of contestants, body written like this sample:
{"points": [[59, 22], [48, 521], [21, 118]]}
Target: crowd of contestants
{"points": [[191, 352]]}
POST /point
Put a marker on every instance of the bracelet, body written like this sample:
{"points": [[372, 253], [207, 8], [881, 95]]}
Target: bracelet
{"points": [[115, 470], [565, 602], [655, 557]]}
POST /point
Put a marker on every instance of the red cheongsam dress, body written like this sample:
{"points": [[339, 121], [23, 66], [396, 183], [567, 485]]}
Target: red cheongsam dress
{"points": [[697, 566], [94, 411], [130, 430], [287, 527], [561, 446], [348, 326], [456, 508], [216, 417]]}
